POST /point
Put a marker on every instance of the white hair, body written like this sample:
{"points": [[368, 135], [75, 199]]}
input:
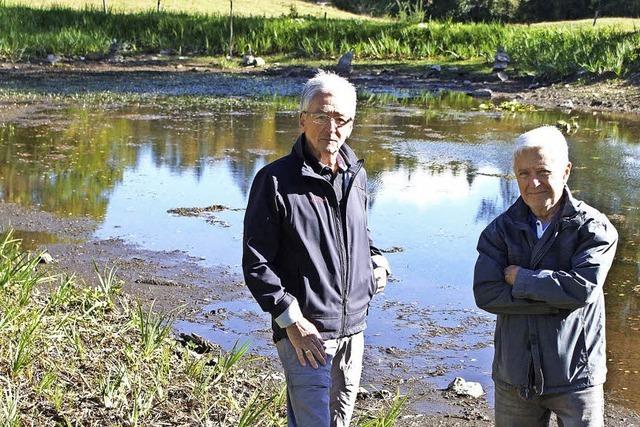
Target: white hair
{"points": [[328, 82], [547, 138]]}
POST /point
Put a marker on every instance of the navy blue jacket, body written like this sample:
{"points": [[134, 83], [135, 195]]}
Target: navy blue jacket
{"points": [[300, 244], [550, 330]]}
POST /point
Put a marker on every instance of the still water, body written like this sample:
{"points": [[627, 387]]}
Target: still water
{"points": [[438, 173]]}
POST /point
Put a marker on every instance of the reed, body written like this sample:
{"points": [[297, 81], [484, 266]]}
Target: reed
{"points": [[552, 51]]}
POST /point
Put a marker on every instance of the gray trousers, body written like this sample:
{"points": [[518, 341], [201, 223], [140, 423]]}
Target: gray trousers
{"points": [[323, 397], [581, 408]]}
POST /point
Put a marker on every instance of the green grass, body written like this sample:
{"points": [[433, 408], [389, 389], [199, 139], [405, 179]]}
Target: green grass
{"points": [[80, 355], [547, 50], [268, 8]]}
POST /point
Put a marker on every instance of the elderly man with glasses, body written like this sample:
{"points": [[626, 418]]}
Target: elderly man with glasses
{"points": [[541, 268], [308, 258]]}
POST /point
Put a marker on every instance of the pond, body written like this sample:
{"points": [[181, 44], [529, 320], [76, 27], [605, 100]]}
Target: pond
{"points": [[438, 173]]}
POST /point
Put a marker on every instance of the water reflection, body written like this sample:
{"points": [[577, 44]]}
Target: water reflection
{"points": [[437, 176]]}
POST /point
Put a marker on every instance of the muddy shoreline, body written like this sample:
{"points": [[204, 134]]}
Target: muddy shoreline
{"points": [[142, 75], [180, 283]]}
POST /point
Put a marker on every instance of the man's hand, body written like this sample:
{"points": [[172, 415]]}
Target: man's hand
{"points": [[380, 274], [307, 343], [510, 274]]}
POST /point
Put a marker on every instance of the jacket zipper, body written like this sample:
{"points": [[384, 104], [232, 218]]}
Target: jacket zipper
{"points": [[343, 244], [337, 221]]}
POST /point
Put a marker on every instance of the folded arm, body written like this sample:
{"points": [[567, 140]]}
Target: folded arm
{"points": [[581, 284]]}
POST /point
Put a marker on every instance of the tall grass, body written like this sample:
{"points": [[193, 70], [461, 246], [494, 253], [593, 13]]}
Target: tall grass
{"points": [[83, 355], [551, 51], [80, 355]]}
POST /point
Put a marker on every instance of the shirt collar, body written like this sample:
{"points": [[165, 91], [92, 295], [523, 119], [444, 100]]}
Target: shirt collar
{"points": [[319, 167]]}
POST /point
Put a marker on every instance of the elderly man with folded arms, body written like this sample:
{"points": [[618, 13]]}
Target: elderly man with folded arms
{"points": [[308, 258], [541, 268]]}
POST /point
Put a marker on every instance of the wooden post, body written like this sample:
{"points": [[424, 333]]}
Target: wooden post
{"points": [[230, 28], [597, 12]]}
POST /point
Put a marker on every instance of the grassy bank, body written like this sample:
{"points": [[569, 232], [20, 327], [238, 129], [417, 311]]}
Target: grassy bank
{"points": [[268, 8], [77, 355], [553, 51]]}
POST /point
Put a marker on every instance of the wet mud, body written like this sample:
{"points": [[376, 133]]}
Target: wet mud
{"points": [[141, 75]]}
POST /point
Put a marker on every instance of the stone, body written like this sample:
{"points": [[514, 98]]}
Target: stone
{"points": [[502, 76], [258, 62], [53, 59], [500, 60], [45, 258], [344, 67], [501, 55], [465, 388], [467, 82], [568, 104], [248, 60], [435, 68], [364, 394], [482, 93]]}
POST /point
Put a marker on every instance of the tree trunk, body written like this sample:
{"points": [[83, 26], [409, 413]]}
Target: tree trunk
{"points": [[158, 6], [597, 12], [104, 6]]}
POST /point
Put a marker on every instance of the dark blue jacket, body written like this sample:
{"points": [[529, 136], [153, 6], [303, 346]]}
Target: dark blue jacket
{"points": [[299, 244], [550, 330]]}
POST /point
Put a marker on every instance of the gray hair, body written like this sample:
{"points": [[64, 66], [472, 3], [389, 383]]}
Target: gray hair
{"points": [[547, 138], [328, 82]]}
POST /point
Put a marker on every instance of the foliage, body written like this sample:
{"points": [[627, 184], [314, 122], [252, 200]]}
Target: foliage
{"points": [[497, 10], [550, 51]]}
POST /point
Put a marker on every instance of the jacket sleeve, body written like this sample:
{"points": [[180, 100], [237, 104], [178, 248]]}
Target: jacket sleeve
{"points": [[583, 283], [491, 292], [261, 241]]}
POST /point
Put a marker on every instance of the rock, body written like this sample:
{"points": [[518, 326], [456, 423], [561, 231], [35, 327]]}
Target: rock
{"points": [[482, 93], [45, 258], [364, 394], [502, 76], [199, 344], [567, 104], [465, 388], [258, 62], [53, 59], [248, 60], [501, 55], [167, 52], [344, 67], [466, 82], [500, 60], [435, 68]]}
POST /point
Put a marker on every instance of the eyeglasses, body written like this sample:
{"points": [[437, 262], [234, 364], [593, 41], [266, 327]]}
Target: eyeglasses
{"points": [[324, 119]]}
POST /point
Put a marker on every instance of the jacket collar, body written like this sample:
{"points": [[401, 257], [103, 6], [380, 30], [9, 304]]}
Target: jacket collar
{"points": [[519, 211]]}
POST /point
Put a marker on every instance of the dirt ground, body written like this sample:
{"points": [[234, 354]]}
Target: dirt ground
{"points": [[178, 282]]}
